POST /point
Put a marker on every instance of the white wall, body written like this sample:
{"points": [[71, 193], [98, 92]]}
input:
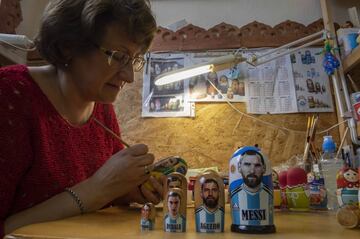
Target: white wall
{"points": [[32, 12], [207, 13]]}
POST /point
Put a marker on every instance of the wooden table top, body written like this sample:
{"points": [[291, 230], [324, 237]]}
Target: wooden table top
{"points": [[125, 223]]}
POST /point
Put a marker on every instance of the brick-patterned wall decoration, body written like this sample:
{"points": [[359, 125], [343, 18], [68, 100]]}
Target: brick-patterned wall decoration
{"points": [[226, 36], [10, 15]]}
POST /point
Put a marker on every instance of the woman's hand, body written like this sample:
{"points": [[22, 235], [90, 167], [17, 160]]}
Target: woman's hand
{"points": [[123, 172], [142, 194]]}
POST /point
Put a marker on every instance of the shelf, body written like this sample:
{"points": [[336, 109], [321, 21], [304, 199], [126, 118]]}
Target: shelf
{"points": [[350, 61]]}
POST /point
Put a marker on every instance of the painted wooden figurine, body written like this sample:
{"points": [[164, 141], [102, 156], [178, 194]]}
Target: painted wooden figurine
{"points": [[251, 192], [175, 211], [347, 180], [317, 190], [209, 203], [148, 214], [176, 180]]}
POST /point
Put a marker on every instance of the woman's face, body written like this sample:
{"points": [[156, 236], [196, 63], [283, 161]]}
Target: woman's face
{"points": [[94, 78]]}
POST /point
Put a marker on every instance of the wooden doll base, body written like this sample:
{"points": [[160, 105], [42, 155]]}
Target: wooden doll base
{"points": [[348, 216], [253, 229]]}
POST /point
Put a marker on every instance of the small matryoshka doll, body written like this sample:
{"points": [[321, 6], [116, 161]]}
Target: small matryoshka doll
{"points": [[148, 215], [317, 190], [251, 192], [209, 203], [175, 211], [176, 180], [347, 181]]}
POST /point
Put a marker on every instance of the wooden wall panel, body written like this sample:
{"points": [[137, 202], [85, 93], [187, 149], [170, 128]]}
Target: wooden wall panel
{"points": [[214, 134]]}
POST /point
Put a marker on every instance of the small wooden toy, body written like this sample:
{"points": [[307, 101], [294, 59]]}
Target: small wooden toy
{"points": [[251, 192], [175, 211], [209, 203], [148, 214]]}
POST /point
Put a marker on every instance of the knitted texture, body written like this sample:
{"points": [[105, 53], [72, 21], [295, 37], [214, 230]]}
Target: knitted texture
{"points": [[41, 153]]}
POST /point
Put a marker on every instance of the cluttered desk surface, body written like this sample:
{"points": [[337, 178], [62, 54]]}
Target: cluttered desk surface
{"points": [[124, 223]]}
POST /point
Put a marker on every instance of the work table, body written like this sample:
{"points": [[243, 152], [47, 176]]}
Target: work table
{"points": [[125, 223]]}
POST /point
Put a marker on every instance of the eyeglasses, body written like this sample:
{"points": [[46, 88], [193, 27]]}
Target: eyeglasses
{"points": [[122, 58]]}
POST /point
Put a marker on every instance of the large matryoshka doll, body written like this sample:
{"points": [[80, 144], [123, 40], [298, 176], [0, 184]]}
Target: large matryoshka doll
{"points": [[251, 192]]}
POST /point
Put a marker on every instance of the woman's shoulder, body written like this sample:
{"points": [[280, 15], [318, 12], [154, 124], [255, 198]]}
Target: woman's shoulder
{"points": [[16, 87], [15, 77]]}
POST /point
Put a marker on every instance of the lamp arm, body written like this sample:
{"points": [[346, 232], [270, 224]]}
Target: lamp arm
{"points": [[255, 62], [294, 43], [20, 42]]}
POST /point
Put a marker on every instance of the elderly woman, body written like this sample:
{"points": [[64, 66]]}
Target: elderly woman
{"points": [[67, 162]]}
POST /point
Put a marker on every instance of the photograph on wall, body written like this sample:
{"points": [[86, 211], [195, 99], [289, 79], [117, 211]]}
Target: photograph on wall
{"points": [[170, 100], [311, 82], [271, 86], [228, 84]]}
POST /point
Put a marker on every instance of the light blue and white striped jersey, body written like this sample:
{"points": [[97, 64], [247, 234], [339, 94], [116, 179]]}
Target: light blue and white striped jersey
{"points": [[174, 225], [249, 208], [207, 221], [146, 224]]}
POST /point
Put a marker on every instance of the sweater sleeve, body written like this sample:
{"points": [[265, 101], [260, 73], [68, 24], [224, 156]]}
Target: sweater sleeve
{"points": [[15, 150]]}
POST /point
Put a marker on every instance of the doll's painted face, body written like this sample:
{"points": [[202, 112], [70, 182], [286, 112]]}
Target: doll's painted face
{"points": [[145, 212], [210, 193], [275, 176], [351, 176], [174, 205], [310, 177]]}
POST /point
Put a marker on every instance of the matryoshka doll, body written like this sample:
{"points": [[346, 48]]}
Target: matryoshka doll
{"points": [[317, 193], [148, 214], [174, 211], [176, 180], [347, 181], [209, 203], [251, 192]]}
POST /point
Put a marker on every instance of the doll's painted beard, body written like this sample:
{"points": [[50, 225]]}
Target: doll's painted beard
{"points": [[211, 202], [252, 181]]}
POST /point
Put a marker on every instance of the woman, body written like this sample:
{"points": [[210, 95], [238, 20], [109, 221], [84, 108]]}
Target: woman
{"points": [[56, 158]]}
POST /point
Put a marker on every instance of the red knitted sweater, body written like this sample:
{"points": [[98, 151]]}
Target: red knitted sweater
{"points": [[40, 152]]}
